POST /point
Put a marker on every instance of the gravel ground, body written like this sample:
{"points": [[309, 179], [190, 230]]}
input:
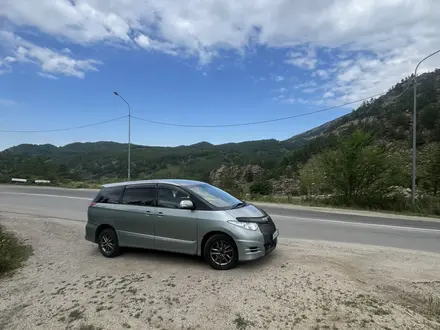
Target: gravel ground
{"points": [[67, 284]]}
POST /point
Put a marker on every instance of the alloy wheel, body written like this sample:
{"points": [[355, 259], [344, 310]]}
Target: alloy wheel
{"points": [[107, 244], [222, 253]]}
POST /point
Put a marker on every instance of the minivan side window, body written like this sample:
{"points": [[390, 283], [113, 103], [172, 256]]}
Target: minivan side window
{"points": [[109, 195], [171, 197], [143, 196]]}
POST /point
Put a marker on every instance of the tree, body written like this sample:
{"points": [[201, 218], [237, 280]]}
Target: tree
{"points": [[430, 168], [312, 176], [249, 176], [356, 172], [429, 116], [63, 172], [261, 188]]}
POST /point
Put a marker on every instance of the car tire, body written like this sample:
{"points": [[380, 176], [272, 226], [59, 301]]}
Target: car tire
{"points": [[221, 252], [108, 243]]}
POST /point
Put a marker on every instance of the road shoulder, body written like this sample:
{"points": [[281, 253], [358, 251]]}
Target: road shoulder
{"points": [[68, 284], [363, 213]]}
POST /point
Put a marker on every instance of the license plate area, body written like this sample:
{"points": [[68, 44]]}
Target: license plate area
{"points": [[275, 234]]}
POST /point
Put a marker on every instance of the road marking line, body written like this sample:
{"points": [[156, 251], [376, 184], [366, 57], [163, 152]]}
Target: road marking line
{"points": [[273, 214], [341, 222], [45, 195]]}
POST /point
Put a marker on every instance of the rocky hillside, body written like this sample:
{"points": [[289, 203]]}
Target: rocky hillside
{"points": [[390, 115], [387, 118]]}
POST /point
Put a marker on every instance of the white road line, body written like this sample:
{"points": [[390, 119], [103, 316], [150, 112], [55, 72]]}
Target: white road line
{"points": [[292, 217], [45, 195], [354, 223]]}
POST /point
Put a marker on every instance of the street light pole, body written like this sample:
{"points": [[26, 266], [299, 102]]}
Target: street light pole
{"points": [[129, 135], [414, 151]]}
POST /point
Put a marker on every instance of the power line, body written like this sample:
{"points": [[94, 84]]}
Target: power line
{"points": [[263, 121], [65, 129], [206, 126], [275, 119]]}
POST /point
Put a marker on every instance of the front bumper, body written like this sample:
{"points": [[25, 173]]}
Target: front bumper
{"points": [[252, 250], [258, 247]]}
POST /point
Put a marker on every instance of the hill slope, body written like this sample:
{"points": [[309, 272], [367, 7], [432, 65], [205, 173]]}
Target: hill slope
{"points": [[390, 115], [387, 118]]}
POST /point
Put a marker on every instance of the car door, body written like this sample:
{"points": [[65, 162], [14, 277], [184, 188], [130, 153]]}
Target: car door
{"points": [[137, 219], [175, 229]]}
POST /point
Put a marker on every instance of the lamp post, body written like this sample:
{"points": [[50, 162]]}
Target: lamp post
{"points": [[414, 151], [129, 134]]}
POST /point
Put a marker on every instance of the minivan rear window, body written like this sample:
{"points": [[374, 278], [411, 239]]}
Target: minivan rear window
{"points": [[109, 195]]}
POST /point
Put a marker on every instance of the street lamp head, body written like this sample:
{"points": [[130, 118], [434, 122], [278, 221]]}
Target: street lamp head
{"points": [[116, 93]]}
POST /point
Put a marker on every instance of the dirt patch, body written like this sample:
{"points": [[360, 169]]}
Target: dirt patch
{"points": [[67, 284]]}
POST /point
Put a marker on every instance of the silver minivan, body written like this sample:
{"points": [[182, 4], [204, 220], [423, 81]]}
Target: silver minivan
{"points": [[181, 216]]}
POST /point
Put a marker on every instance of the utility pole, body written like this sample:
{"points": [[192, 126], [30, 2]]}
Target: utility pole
{"points": [[129, 135], [414, 145]]}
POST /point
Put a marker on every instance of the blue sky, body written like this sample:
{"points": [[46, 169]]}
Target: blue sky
{"points": [[203, 64]]}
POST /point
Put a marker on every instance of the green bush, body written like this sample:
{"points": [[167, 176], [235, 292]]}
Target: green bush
{"points": [[427, 205], [357, 173], [13, 252], [261, 188]]}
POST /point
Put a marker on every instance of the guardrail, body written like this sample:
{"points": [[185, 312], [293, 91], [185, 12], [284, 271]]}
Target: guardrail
{"points": [[19, 180]]}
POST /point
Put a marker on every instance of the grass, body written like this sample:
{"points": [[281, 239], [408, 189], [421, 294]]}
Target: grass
{"points": [[75, 315], [431, 307], [320, 202], [89, 327], [241, 323], [13, 252], [427, 305], [80, 185]]}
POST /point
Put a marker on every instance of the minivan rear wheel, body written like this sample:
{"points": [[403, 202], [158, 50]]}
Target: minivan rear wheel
{"points": [[220, 252], [108, 243]]}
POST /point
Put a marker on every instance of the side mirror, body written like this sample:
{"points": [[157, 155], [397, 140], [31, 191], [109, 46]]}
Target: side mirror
{"points": [[186, 204]]}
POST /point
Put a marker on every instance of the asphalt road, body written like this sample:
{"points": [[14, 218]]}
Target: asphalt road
{"points": [[299, 223]]}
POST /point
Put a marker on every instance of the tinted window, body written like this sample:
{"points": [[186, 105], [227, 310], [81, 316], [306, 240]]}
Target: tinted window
{"points": [[214, 195], [109, 195], [145, 196], [171, 197]]}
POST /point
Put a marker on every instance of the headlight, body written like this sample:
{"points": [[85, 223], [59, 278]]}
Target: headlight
{"points": [[246, 225]]}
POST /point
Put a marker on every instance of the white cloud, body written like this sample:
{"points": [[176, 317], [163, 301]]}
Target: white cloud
{"points": [[293, 100], [278, 78], [307, 84], [377, 42], [306, 59], [6, 64], [147, 43], [328, 94], [320, 73], [47, 76], [7, 103], [50, 61]]}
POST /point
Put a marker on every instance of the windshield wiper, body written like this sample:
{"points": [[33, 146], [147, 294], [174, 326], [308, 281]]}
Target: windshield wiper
{"points": [[238, 205]]}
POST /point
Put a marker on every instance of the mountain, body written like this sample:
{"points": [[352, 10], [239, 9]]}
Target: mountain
{"points": [[108, 160], [390, 115], [387, 118]]}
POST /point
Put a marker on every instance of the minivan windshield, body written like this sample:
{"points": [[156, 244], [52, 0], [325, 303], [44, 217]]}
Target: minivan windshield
{"points": [[215, 196]]}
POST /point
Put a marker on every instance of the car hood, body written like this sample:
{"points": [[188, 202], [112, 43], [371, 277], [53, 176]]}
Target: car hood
{"points": [[248, 211]]}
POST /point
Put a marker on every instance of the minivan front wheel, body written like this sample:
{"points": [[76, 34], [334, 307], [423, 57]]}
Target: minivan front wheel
{"points": [[108, 243], [220, 252]]}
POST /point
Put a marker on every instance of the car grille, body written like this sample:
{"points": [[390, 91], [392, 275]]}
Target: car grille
{"points": [[267, 229]]}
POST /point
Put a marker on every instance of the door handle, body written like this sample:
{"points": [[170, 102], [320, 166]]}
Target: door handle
{"points": [[160, 214], [148, 213]]}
